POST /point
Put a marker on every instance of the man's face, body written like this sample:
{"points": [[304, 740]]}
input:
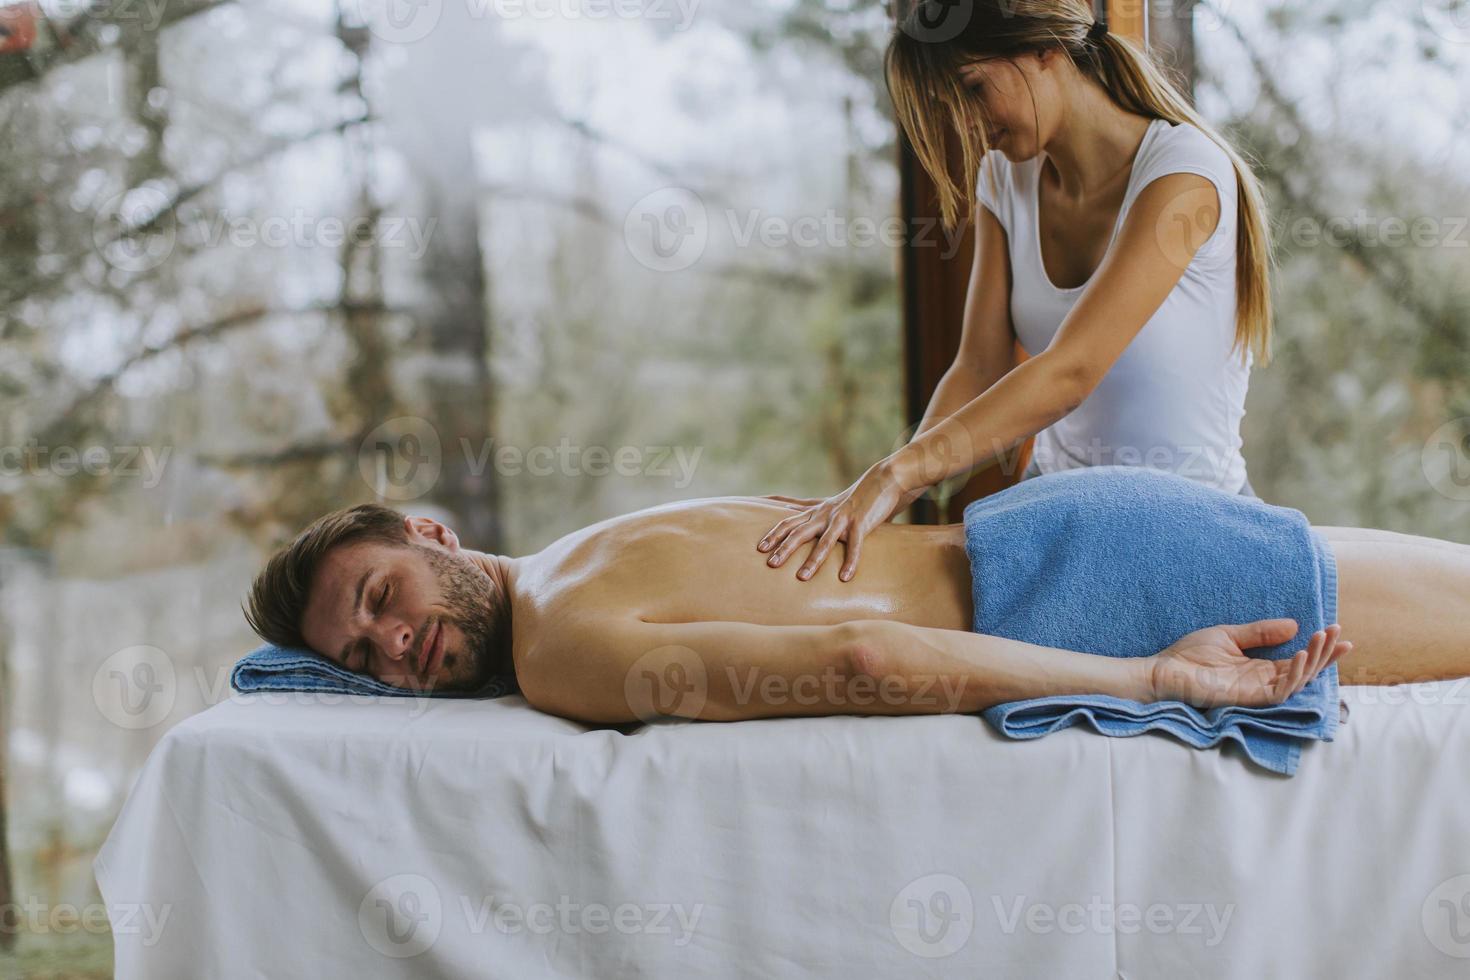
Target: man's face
{"points": [[385, 610]]}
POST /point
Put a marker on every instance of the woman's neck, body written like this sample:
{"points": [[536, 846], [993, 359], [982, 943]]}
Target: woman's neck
{"points": [[1094, 143]]}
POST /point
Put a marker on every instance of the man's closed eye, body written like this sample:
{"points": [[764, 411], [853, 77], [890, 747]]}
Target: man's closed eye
{"points": [[380, 602]]}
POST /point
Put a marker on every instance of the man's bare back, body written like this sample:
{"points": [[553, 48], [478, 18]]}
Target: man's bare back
{"points": [[695, 560]]}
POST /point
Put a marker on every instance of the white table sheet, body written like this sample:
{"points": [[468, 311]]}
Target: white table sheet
{"points": [[362, 838]]}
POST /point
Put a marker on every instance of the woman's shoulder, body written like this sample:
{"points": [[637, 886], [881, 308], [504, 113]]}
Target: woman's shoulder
{"points": [[1185, 147], [993, 185], [995, 167]]}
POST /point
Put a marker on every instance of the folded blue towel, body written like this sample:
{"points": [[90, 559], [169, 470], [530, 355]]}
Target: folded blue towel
{"points": [[273, 668], [1121, 561]]}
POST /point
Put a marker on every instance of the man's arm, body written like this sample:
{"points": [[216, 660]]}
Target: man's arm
{"points": [[612, 669]]}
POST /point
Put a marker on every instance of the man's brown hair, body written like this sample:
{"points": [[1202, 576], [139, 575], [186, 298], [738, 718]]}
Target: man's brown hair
{"points": [[277, 601]]}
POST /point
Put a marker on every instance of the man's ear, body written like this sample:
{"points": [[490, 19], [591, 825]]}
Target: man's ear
{"points": [[428, 529]]}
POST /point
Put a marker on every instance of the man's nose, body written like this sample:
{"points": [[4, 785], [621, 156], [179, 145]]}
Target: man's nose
{"points": [[396, 640]]}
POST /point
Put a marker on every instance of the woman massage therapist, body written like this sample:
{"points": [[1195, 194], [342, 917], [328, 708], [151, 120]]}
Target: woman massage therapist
{"points": [[1118, 237]]}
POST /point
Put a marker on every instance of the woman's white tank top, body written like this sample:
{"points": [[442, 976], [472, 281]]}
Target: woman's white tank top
{"points": [[1175, 398]]}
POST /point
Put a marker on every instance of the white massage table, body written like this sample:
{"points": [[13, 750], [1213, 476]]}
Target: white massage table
{"points": [[276, 835]]}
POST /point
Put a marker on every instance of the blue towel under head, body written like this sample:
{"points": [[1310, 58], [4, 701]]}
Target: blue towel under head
{"points": [[1121, 561], [273, 668]]}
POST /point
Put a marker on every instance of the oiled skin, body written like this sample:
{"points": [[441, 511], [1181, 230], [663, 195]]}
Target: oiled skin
{"points": [[696, 560]]}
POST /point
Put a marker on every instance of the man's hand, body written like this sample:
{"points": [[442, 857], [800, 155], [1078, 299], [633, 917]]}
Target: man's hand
{"points": [[1208, 667]]}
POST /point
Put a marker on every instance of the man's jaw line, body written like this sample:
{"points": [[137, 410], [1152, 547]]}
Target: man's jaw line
{"points": [[501, 569]]}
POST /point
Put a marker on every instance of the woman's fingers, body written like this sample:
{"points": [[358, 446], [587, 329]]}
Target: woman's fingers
{"points": [[796, 537], [783, 527], [824, 545], [779, 529], [853, 553]]}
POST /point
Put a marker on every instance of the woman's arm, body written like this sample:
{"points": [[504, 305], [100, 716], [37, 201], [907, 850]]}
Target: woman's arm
{"points": [[987, 339], [1030, 397], [1171, 218]]}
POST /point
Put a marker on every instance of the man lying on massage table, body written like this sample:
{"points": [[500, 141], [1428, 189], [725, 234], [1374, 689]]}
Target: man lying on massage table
{"points": [[678, 594]]}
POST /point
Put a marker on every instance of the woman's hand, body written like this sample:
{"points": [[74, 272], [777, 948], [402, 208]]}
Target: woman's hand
{"points": [[800, 502], [848, 516], [1208, 667]]}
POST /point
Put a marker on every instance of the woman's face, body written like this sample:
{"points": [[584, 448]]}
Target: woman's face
{"points": [[1015, 93]]}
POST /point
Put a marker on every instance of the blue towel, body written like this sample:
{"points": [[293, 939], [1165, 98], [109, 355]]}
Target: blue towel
{"points": [[1121, 561], [273, 668]]}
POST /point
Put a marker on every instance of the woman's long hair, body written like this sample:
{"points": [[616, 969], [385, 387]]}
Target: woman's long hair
{"points": [[922, 70]]}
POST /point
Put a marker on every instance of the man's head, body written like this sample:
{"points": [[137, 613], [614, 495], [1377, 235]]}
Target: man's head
{"points": [[376, 591]]}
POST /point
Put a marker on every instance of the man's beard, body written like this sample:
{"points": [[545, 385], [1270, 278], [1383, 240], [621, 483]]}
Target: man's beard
{"points": [[470, 598]]}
